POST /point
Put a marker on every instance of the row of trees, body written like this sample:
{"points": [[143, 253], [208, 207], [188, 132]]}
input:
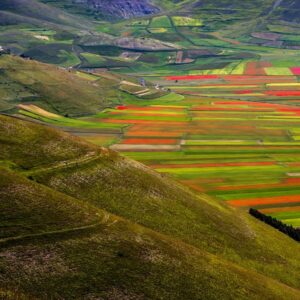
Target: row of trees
{"points": [[289, 230]]}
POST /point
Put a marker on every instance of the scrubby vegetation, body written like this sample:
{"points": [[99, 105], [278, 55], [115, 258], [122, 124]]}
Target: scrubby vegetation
{"points": [[286, 229]]}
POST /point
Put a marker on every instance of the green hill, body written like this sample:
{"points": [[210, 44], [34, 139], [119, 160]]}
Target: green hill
{"points": [[54, 89], [117, 223], [32, 209], [66, 92]]}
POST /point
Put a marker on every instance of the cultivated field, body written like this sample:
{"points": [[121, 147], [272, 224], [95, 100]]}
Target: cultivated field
{"points": [[244, 152]]}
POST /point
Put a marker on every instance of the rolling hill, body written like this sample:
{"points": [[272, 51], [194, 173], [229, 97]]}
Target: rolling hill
{"points": [[102, 231], [54, 89], [66, 92]]}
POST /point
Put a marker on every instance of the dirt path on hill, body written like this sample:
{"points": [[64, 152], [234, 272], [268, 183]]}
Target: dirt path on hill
{"points": [[91, 156], [10, 241]]}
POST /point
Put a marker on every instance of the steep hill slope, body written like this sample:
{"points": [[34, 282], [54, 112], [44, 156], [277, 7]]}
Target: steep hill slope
{"points": [[105, 259], [32, 209], [196, 240]]}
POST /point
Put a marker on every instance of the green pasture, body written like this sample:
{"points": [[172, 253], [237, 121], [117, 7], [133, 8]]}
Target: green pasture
{"points": [[219, 143], [87, 76], [159, 22], [293, 222], [93, 59], [121, 116], [186, 21], [277, 71], [69, 58]]}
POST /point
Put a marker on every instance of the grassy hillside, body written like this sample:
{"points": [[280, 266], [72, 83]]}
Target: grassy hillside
{"points": [[28, 86], [32, 209], [54, 89], [165, 236]]}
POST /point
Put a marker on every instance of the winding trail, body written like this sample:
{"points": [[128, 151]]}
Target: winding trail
{"points": [[89, 157], [57, 233]]}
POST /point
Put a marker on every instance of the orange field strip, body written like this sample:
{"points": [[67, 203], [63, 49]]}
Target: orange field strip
{"points": [[265, 200], [279, 209], [257, 186]]}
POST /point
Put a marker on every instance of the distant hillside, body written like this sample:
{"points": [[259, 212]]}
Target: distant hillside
{"points": [[274, 10], [63, 92], [54, 89], [65, 32], [37, 11], [176, 244], [117, 8], [288, 10]]}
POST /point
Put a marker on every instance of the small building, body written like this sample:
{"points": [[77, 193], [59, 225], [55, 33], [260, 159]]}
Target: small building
{"points": [[142, 82]]}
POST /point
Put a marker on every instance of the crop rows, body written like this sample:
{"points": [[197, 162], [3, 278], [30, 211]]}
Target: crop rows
{"points": [[243, 152]]}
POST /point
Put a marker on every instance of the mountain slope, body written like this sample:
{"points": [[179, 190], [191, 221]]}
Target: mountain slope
{"points": [[113, 9], [287, 11], [105, 259], [39, 11], [142, 196]]}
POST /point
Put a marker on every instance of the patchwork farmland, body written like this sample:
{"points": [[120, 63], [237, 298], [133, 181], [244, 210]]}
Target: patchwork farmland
{"points": [[232, 133], [242, 152], [234, 137]]}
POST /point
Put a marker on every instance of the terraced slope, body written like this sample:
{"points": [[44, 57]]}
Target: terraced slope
{"points": [[191, 241]]}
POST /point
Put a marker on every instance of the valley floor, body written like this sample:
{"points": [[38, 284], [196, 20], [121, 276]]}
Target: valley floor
{"points": [[234, 137]]}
